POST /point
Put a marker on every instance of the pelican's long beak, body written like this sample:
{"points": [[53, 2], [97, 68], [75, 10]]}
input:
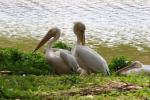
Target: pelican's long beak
{"points": [[135, 64], [43, 41], [123, 69], [82, 38]]}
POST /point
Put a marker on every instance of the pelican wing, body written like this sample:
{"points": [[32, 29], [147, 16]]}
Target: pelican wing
{"points": [[92, 59], [69, 59]]}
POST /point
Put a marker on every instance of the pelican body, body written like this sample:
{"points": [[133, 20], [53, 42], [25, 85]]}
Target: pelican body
{"points": [[61, 60], [136, 67], [89, 60]]}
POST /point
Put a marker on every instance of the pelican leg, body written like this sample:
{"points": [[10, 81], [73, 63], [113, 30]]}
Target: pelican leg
{"points": [[82, 72]]}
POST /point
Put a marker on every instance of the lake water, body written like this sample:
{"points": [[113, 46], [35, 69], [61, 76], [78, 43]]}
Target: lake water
{"points": [[111, 22]]}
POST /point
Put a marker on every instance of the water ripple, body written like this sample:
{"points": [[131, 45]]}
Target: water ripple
{"points": [[110, 21]]}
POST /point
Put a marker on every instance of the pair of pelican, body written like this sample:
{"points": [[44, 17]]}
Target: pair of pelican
{"points": [[82, 58]]}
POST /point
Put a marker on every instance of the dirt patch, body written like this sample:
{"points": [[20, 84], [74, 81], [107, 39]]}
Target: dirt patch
{"points": [[98, 89]]}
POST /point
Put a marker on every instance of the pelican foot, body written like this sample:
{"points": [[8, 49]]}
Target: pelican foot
{"points": [[82, 72]]}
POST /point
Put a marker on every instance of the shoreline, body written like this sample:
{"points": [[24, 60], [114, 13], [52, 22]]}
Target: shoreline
{"points": [[28, 44]]}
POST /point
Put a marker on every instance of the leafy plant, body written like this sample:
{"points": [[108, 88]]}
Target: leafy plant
{"points": [[118, 63], [23, 63], [61, 45]]}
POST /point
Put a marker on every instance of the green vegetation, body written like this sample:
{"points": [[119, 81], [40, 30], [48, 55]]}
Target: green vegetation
{"points": [[94, 86], [74, 86], [34, 63], [23, 63], [26, 62], [118, 63], [61, 45], [38, 85]]}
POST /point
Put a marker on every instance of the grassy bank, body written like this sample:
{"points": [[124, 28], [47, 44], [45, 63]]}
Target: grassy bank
{"points": [[74, 87], [18, 62], [28, 44], [30, 79]]}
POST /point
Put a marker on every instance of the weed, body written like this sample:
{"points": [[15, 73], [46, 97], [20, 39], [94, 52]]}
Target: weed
{"points": [[23, 63], [118, 63], [61, 45]]}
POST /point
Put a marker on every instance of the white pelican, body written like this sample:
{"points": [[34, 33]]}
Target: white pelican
{"points": [[61, 60], [89, 60], [136, 67]]}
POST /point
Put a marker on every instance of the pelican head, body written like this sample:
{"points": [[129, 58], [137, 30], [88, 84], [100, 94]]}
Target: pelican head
{"points": [[79, 30], [136, 64], [53, 33]]}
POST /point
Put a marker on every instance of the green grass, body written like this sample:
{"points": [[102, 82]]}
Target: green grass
{"points": [[44, 87], [37, 85], [19, 62], [119, 62], [62, 45], [34, 63], [23, 62]]}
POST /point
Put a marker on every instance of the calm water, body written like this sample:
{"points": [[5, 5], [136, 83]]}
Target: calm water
{"points": [[111, 22]]}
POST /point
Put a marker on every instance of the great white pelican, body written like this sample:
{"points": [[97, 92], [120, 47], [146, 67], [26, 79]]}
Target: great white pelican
{"points": [[89, 60], [61, 60]]}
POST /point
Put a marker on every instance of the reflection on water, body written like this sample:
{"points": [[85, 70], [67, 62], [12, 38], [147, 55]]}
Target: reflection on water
{"points": [[108, 21]]}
